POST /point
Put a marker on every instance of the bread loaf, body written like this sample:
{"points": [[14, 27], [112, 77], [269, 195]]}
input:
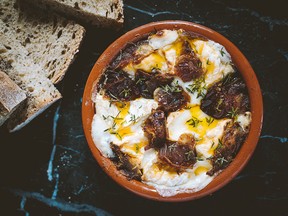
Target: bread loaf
{"points": [[103, 13], [36, 49], [11, 97]]}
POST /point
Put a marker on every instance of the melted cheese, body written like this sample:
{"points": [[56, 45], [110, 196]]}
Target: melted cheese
{"points": [[203, 127], [159, 41], [215, 60], [154, 61], [121, 123], [170, 183]]}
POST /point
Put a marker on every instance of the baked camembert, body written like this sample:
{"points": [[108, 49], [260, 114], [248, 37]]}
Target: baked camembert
{"points": [[171, 111]]}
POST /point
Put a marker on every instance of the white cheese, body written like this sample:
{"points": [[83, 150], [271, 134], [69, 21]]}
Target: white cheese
{"points": [[159, 41]]}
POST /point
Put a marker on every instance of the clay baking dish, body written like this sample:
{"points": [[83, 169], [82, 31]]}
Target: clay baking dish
{"points": [[244, 68]]}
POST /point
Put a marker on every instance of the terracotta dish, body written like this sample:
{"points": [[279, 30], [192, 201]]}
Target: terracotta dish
{"points": [[243, 66]]}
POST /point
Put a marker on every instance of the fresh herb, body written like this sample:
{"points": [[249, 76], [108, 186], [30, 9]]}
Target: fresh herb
{"points": [[172, 147], [133, 118], [198, 139], [193, 121], [208, 62], [172, 88], [199, 64], [213, 143], [112, 128], [140, 81], [222, 52], [113, 96], [209, 120], [221, 161], [105, 117], [116, 134], [137, 148], [233, 113], [189, 155], [198, 86], [219, 104], [199, 159], [227, 79], [220, 144], [125, 92]]}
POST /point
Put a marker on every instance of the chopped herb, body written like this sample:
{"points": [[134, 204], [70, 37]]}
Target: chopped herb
{"points": [[113, 96], [172, 147], [219, 104], [227, 79], [220, 144], [172, 88], [221, 161], [105, 117], [233, 113], [213, 143], [199, 64], [133, 118], [189, 155], [140, 81], [209, 120], [193, 121], [199, 159], [125, 92], [208, 62], [222, 52], [198, 86], [116, 134], [137, 147]]}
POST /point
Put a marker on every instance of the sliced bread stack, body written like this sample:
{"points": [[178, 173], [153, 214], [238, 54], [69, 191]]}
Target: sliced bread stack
{"points": [[37, 46], [35, 52], [103, 13]]}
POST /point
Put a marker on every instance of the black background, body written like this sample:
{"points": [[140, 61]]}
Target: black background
{"points": [[78, 185]]}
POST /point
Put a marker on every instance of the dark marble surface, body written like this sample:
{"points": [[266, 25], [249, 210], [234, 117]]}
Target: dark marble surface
{"points": [[47, 168]]}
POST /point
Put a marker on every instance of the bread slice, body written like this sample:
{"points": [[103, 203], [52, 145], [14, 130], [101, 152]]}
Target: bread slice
{"points": [[48, 40], [11, 97], [40, 91], [35, 52], [102, 13]]}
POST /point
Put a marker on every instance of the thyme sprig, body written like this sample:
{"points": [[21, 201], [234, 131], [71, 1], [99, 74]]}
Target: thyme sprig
{"points": [[198, 86], [193, 121], [222, 52], [221, 161], [189, 155], [233, 113], [209, 120], [174, 87]]}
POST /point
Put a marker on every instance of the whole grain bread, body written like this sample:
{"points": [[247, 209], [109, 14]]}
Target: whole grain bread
{"points": [[103, 13], [36, 49], [49, 41], [11, 97]]}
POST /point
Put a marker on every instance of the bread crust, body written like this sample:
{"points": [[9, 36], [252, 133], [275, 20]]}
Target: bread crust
{"points": [[107, 14]]}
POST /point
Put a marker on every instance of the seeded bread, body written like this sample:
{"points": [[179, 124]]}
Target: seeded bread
{"points": [[35, 52], [103, 13], [11, 97]]}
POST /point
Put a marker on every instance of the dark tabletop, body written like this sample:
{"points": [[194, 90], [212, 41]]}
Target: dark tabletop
{"points": [[48, 169]]}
